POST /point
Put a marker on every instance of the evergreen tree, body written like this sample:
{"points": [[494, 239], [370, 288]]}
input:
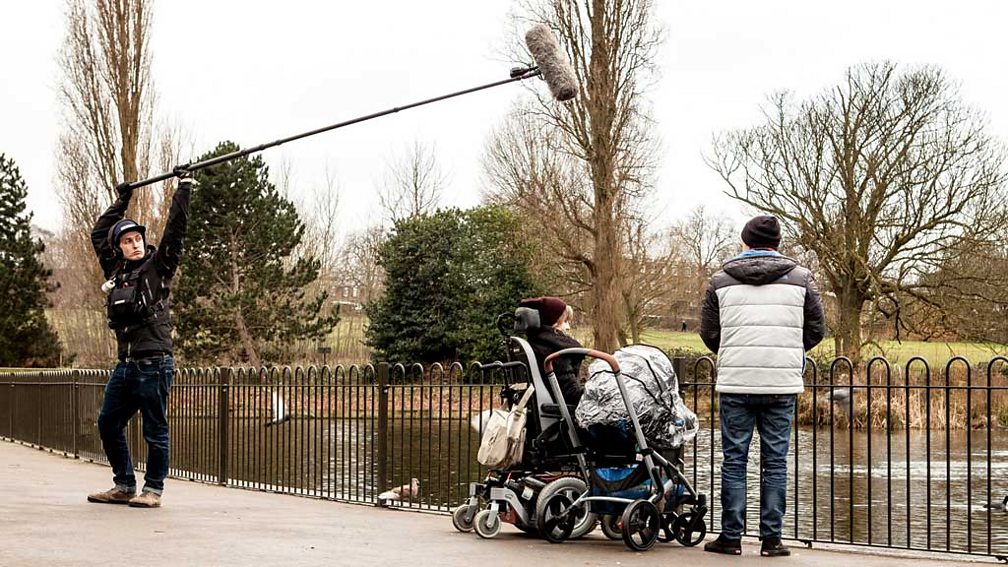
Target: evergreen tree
{"points": [[26, 338], [448, 276], [241, 293]]}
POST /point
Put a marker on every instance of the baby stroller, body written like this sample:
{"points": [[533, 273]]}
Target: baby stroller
{"points": [[549, 464], [654, 501]]}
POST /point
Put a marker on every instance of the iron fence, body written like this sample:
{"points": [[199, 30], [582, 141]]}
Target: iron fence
{"points": [[881, 455]]}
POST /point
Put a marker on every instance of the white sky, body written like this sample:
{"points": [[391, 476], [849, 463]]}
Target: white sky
{"points": [[256, 71]]}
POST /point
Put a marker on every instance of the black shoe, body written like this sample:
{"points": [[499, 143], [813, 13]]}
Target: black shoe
{"points": [[772, 547], [724, 545]]}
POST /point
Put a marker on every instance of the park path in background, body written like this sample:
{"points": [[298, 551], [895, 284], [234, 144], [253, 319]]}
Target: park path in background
{"points": [[46, 520]]}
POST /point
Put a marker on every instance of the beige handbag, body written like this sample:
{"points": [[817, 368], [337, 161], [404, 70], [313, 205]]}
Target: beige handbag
{"points": [[504, 437]]}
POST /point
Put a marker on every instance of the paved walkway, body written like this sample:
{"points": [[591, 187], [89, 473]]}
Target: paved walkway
{"points": [[45, 520]]}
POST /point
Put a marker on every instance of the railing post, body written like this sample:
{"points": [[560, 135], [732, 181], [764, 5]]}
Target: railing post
{"points": [[382, 457], [223, 412], [679, 366], [136, 435], [75, 412], [10, 414], [38, 411]]}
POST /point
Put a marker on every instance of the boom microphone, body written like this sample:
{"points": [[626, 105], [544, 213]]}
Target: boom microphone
{"points": [[555, 70], [550, 65]]}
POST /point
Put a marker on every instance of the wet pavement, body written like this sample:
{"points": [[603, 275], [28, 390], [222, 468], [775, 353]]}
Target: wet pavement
{"points": [[46, 520]]}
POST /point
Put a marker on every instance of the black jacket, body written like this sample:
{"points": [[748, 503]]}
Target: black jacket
{"points": [[546, 341], [151, 275]]}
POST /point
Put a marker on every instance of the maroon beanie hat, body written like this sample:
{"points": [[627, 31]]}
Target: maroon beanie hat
{"points": [[762, 232], [550, 309]]}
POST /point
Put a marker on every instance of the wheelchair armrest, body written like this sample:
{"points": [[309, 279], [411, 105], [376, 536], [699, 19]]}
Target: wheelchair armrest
{"points": [[553, 410]]}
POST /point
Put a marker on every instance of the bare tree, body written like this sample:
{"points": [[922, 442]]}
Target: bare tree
{"points": [[581, 168], [967, 298], [414, 183], [107, 136], [108, 98], [648, 277], [322, 226], [701, 242], [880, 176], [707, 239], [359, 272]]}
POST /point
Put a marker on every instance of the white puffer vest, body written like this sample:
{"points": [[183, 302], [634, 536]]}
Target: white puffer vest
{"points": [[761, 349]]}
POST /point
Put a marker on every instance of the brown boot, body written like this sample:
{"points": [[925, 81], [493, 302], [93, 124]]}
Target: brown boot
{"points": [[112, 496], [146, 499]]}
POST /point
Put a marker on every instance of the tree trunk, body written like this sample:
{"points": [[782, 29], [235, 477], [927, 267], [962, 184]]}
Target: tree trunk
{"points": [[605, 290], [635, 329], [248, 343], [607, 250], [246, 338], [848, 335]]}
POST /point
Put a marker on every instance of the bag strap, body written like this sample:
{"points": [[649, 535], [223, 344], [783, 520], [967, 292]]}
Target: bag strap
{"points": [[524, 399]]}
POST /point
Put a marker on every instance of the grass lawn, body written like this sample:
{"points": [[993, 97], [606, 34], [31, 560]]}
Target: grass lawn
{"points": [[84, 327], [936, 353]]}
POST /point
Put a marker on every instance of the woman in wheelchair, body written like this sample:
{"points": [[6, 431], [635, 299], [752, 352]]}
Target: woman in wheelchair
{"points": [[549, 337]]}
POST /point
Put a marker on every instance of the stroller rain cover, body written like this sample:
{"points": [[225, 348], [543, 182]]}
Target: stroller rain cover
{"points": [[653, 390]]}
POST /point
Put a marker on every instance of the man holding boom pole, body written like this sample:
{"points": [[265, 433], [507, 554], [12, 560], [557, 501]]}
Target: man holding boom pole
{"points": [[139, 275]]}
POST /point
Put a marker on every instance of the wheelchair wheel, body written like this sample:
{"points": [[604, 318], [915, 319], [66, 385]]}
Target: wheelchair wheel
{"points": [[684, 534], [572, 488], [558, 519], [611, 526], [641, 524], [487, 524], [461, 519]]}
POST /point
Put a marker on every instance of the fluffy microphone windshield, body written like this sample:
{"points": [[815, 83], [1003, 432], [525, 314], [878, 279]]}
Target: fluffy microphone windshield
{"points": [[556, 71]]}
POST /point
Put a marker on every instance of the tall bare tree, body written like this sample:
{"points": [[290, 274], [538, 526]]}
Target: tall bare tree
{"points": [[704, 240], [358, 267], [707, 239], [649, 279], [581, 168], [880, 176], [108, 116], [322, 230], [413, 184]]}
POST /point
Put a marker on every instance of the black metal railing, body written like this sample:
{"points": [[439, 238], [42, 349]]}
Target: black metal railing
{"points": [[882, 455]]}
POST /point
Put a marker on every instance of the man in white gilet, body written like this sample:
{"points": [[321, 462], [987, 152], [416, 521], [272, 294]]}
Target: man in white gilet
{"points": [[762, 312]]}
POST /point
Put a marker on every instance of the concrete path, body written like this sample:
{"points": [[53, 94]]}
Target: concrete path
{"points": [[45, 520]]}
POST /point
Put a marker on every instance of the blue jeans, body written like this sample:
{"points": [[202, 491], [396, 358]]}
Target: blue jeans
{"points": [[137, 385], [772, 415]]}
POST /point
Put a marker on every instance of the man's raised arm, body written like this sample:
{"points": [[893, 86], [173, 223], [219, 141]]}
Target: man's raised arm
{"points": [[99, 233]]}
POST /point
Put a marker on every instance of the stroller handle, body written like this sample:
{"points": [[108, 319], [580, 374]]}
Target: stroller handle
{"points": [[610, 360]]}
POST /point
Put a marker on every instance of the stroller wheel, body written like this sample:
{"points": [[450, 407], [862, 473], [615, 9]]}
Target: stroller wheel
{"points": [[487, 524], [689, 535], [526, 528], [611, 526], [462, 519], [558, 519], [667, 533], [641, 524]]}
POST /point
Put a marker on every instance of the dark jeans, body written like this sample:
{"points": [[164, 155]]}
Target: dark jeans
{"points": [[137, 385], [772, 415]]}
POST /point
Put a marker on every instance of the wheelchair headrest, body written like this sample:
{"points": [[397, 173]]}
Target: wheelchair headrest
{"points": [[526, 319]]}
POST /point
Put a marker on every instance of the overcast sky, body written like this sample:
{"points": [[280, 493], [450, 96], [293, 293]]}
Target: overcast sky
{"points": [[255, 71]]}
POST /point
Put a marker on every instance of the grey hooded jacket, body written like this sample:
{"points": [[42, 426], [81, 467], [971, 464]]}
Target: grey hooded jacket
{"points": [[762, 311]]}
